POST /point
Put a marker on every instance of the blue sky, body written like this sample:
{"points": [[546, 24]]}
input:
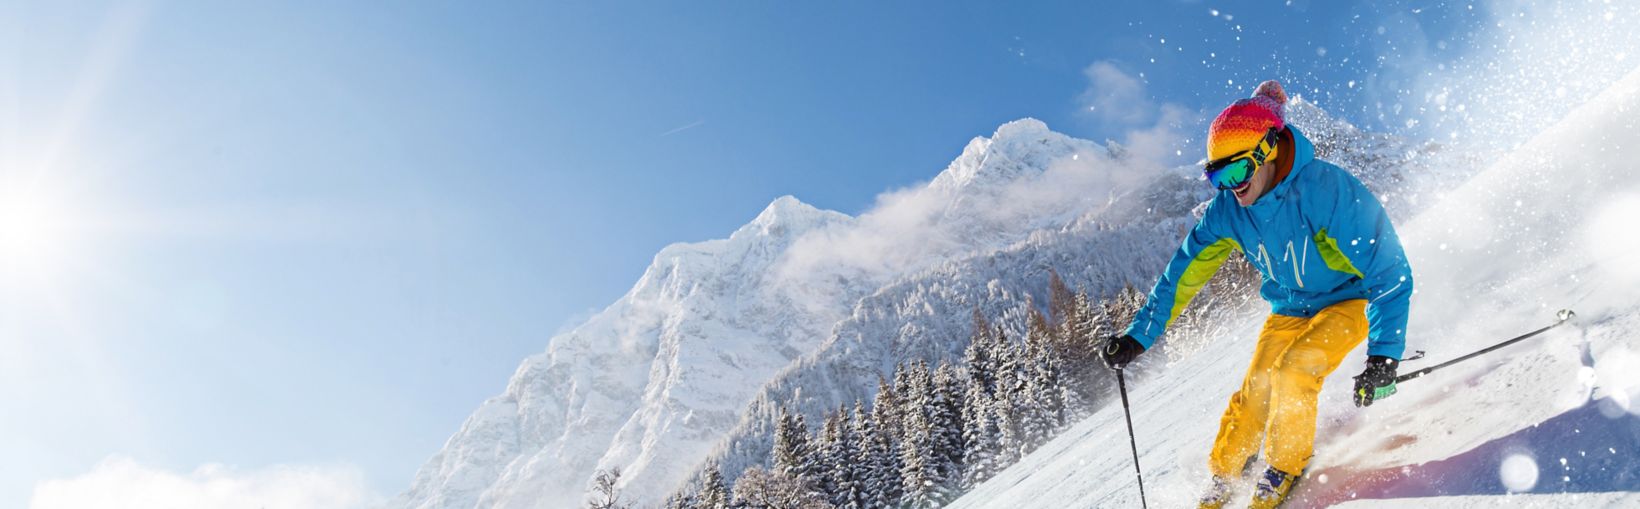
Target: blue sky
{"points": [[305, 233]]}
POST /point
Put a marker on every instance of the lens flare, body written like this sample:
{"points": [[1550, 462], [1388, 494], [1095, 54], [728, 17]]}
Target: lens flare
{"points": [[1519, 473]]}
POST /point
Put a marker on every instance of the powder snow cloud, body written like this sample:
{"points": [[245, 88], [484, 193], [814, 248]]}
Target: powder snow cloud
{"points": [[907, 229]]}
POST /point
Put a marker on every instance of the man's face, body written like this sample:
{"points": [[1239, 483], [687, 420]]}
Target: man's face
{"points": [[1256, 186]]}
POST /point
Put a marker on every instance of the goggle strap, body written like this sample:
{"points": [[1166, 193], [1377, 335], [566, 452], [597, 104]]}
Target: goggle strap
{"points": [[1265, 145]]}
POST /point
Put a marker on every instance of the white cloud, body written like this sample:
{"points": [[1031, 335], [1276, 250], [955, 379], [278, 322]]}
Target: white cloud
{"points": [[1166, 142], [120, 481], [1116, 102], [1113, 97]]}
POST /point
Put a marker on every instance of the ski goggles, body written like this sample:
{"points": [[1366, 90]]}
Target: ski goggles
{"points": [[1233, 171]]}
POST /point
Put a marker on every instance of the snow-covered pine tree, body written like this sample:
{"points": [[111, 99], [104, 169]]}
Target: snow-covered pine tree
{"points": [[868, 460], [977, 357], [812, 469], [852, 494], [1061, 300], [1035, 422], [763, 489], [1005, 359], [950, 385], [1005, 404], [1078, 356], [1078, 339], [786, 454], [1034, 428], [1052, 378], [845, 473], [792, 455], [1010, 443], [831, 447], [979, 438], [919, 462], [822, 445], [680, 501], [884, 486], [713, 494]]}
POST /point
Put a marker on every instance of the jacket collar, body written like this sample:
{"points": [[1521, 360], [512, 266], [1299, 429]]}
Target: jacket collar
{"points": [[1303, 153]]}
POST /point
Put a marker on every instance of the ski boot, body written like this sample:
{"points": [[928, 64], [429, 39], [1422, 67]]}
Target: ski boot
{"points": [[1273, 489], [1217, 495]]}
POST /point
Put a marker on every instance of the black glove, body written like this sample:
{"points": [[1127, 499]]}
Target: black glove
{"points": [[1377, 382], [1118, 351]]}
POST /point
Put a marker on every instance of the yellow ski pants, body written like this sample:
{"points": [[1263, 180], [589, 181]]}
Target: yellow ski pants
{"points": [[1277, 400]]}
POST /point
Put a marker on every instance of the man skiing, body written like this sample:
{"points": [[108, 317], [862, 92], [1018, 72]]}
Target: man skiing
{"points": [[1334, 274]]}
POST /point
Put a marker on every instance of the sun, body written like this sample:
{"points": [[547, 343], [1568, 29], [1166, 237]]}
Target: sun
{"points": [[40, 229]]}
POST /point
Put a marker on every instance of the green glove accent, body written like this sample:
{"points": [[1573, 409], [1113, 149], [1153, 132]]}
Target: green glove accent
{"points": [[1377, 382], [1378, 392], [1383, 392]]}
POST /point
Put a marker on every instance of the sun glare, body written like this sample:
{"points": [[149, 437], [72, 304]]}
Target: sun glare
{"points": [[37, 231]]}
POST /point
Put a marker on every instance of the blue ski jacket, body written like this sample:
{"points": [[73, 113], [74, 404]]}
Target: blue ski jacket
{"points": [[1319, 238]]}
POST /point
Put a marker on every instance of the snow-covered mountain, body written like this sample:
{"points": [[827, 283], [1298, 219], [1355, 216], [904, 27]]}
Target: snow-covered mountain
{"points": [[1549, 423], [667, 365], [809, 307], [655, 381]]}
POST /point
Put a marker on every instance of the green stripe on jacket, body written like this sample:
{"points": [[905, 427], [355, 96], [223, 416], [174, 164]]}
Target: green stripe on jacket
{"points": [[1201, 269]]}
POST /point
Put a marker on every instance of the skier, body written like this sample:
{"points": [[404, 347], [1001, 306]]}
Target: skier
{"points": [[1288, 213]]}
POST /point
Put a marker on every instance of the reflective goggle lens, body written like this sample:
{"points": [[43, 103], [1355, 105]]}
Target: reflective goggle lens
{"points": [[1232, 174]]}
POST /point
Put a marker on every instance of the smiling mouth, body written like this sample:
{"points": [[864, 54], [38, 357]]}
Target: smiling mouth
{"points": [[1241, 191]]}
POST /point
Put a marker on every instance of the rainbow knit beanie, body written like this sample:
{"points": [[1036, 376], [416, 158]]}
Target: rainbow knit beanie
{"points": [[1239, 127]]}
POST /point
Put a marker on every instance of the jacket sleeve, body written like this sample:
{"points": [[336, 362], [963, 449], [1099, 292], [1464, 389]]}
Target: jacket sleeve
{"points": [[1359, 232], [1203, 252]]}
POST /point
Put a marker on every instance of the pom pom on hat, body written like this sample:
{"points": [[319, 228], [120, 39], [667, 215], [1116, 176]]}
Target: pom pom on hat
{"points": [[1241, 125], [1272, 90]]}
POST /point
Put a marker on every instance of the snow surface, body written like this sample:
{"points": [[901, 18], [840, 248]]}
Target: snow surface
{"points": [[1551, 422]]}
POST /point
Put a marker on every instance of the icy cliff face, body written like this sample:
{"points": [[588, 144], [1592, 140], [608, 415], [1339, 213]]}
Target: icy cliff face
{"points": [[809, 307], [655, 375]]}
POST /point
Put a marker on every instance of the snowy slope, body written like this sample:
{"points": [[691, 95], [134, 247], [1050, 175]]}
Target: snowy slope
{"points": [[1548, 423]]}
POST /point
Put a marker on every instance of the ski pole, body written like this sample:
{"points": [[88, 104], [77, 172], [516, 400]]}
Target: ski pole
{"points": [[1563, 316], [1121, 384]]}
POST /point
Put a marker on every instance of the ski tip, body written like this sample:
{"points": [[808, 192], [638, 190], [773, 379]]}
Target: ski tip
{"points": [[1565, 314]]}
